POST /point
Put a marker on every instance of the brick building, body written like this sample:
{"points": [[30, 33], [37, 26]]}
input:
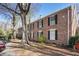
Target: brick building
{"points": [[57, 27]]}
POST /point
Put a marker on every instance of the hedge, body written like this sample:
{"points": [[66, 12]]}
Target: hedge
{"points": [[72, 41]]}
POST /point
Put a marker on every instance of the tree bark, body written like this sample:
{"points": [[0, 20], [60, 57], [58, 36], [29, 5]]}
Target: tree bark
{"points": [[24, 29], [14, 33], [24, 9]]}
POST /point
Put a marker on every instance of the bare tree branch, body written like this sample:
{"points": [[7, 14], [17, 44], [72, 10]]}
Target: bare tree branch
{"points": [[9, 9], [28, 8], [24, 8]]}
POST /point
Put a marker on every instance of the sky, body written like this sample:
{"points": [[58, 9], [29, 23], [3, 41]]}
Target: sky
{"points": [[48, 8], [43, 9]]}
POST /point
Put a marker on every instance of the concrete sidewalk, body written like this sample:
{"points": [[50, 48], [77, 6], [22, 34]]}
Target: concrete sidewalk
{"points": [[12, 50]]}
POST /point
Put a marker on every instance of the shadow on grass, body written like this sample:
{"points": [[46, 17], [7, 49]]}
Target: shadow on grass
{"points": [[44, 50]]}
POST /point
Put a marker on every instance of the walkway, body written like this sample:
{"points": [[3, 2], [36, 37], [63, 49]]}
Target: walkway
{"points": [[15, 49]]}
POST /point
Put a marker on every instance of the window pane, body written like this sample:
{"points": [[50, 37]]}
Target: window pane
{"points": [[52, 34], [52, 20], [40, 23]]}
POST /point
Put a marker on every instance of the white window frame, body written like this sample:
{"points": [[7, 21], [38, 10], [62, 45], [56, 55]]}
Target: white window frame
{"points": [[51, 36], [39, 32], [53, 20]]}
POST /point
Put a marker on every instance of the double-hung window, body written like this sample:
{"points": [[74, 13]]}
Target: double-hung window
{"points": [[41, 23], [52, 34], [52, 20]]}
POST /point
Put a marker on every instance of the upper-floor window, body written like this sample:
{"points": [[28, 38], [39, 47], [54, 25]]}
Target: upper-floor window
{"points": [[30, 26], [52, 20], [33, 25], [40, 23]]}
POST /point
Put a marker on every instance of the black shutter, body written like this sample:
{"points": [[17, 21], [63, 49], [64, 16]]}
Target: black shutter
{"points": [[30, 27], [48, 21], [42, 23], [55, 19], [33, 35], [37, 34], [48, 35], [42, 33], [56, 34]]}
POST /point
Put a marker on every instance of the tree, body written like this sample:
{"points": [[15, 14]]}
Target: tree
{"points": [[12, 16], [23, 10], [1, 32]]}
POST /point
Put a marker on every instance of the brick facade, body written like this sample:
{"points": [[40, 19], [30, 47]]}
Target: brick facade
{"points": [[61, 26]]}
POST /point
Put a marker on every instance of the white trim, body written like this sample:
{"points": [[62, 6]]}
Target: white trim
{"points": [[40, 31], [52, 29], [68, 28]]}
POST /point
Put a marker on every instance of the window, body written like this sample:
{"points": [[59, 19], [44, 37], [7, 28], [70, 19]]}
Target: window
{"points": [[33, 34], [52, 20], [39, 33], [42, 22], [38, 24], [30, 27], [33, 25], [52, 34]]}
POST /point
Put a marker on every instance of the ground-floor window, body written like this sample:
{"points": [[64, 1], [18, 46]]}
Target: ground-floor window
{"points": [[32, 35], [52, 34], [39, 33]]}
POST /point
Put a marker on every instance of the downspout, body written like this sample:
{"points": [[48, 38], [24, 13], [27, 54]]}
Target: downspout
{"points": [[68, 28]]}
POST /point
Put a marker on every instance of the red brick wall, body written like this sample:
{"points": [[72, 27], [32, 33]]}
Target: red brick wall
{"points": [[61, 27]]}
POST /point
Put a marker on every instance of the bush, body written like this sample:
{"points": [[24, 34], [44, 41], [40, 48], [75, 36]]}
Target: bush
{"points": [[72, 41], [41, 39], [2, 35], [9, 34]]}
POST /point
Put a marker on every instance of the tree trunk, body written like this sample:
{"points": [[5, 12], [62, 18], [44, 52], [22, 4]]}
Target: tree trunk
{"points": [[24, 29], [29, 29], [14, 33]]}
